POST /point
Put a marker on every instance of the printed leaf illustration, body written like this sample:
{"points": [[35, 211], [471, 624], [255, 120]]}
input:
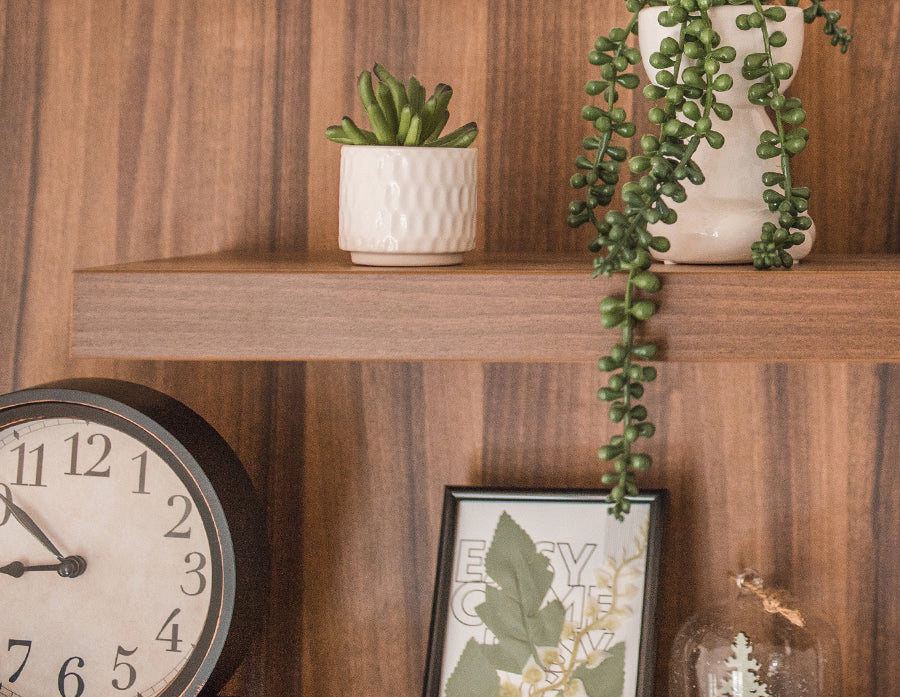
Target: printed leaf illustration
{"points": [[508, 655], [515, 564], [473, 675], [607, 679], [525, 630], [513, 612]]}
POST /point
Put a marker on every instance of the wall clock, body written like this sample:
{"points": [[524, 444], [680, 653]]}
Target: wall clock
{"points": [[132, 549]]}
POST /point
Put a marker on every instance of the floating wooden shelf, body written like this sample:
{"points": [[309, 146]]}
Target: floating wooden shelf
{"points": [[234, 306]]}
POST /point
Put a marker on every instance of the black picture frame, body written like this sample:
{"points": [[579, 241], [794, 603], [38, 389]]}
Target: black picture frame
{"points": [[551, 517]]}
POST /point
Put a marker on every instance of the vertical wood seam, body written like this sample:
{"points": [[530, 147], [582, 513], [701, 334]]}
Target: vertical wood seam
{"points": [[882, 373], [778, 441], [277, 125], [33, 177]]}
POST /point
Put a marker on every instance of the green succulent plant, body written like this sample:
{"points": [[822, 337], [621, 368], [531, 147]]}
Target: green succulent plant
{"points": [[684, 110], [399, 114]]}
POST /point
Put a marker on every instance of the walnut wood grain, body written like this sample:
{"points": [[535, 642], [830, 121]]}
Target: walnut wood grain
{"points": [[231, 307], [162, 128]]}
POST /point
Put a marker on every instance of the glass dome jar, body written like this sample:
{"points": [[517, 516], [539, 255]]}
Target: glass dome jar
{"points": [[755, 646]]}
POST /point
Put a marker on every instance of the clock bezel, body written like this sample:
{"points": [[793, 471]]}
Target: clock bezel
{"points": [[219, 487]]}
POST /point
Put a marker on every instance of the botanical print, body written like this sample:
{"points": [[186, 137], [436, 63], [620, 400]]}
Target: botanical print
{"points": [[560, 618]]}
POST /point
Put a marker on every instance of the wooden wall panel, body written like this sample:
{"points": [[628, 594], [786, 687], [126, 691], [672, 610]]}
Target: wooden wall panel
{"points": [[147, 129], [159, 127], [884, 523], [372, 509], [852, 158], [533, 125], [18, 103]]}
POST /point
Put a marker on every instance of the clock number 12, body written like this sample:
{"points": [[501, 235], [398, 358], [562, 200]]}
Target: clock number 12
{"points": [[93, 471]]}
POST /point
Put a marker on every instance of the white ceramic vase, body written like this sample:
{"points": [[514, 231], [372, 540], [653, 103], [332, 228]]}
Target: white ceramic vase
{"points": [[724, 216], [407, 206]]}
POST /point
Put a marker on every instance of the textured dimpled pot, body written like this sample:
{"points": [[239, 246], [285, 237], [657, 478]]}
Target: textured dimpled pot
{"points": [[407, 206], [724, 216]]}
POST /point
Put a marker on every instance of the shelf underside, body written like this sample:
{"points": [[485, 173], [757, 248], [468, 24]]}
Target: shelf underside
{"points": [[232, 306]]}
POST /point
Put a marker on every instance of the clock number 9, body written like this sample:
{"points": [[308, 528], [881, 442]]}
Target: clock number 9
{"points": [[65, 673]]}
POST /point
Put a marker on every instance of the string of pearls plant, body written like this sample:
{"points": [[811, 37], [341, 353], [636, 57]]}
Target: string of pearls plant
{"points": [[685, 107]]}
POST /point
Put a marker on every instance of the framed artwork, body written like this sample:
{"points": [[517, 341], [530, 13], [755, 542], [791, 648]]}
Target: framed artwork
{"points": [[541, 592]]}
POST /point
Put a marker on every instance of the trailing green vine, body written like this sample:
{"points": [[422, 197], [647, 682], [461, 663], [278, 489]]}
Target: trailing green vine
{"points": [[791, 202], [685, 109]]}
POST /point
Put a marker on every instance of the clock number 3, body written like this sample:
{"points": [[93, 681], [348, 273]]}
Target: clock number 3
{"points": [[201, 579]]}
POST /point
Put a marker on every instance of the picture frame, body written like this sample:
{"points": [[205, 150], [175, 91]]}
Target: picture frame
{"points": [[540, 591]]}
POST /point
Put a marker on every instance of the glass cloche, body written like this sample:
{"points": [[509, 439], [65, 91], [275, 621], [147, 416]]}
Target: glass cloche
{"points": [[758, 645]]}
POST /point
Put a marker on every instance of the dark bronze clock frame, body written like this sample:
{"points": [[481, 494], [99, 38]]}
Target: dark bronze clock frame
{"points": [[213, 474]]}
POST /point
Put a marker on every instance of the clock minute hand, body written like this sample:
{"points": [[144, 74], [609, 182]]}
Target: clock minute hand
{"points": [[31, 526]]}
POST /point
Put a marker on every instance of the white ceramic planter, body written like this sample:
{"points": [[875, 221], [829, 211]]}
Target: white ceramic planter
{"points": [[407, 206], [724, 216]]}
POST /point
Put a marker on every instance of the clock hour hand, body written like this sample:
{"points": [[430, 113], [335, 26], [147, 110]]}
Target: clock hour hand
{"points": [[31, 526], [70, 567]]}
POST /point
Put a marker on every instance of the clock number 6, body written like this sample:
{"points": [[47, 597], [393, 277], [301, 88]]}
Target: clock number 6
{"points": [[65, 673]]}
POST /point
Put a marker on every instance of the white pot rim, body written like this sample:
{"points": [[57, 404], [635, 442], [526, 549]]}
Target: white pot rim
{"points": [[409, 148], [726, 10]]}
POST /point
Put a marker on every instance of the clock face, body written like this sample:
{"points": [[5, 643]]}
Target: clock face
{"points": [[116, 586]]}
